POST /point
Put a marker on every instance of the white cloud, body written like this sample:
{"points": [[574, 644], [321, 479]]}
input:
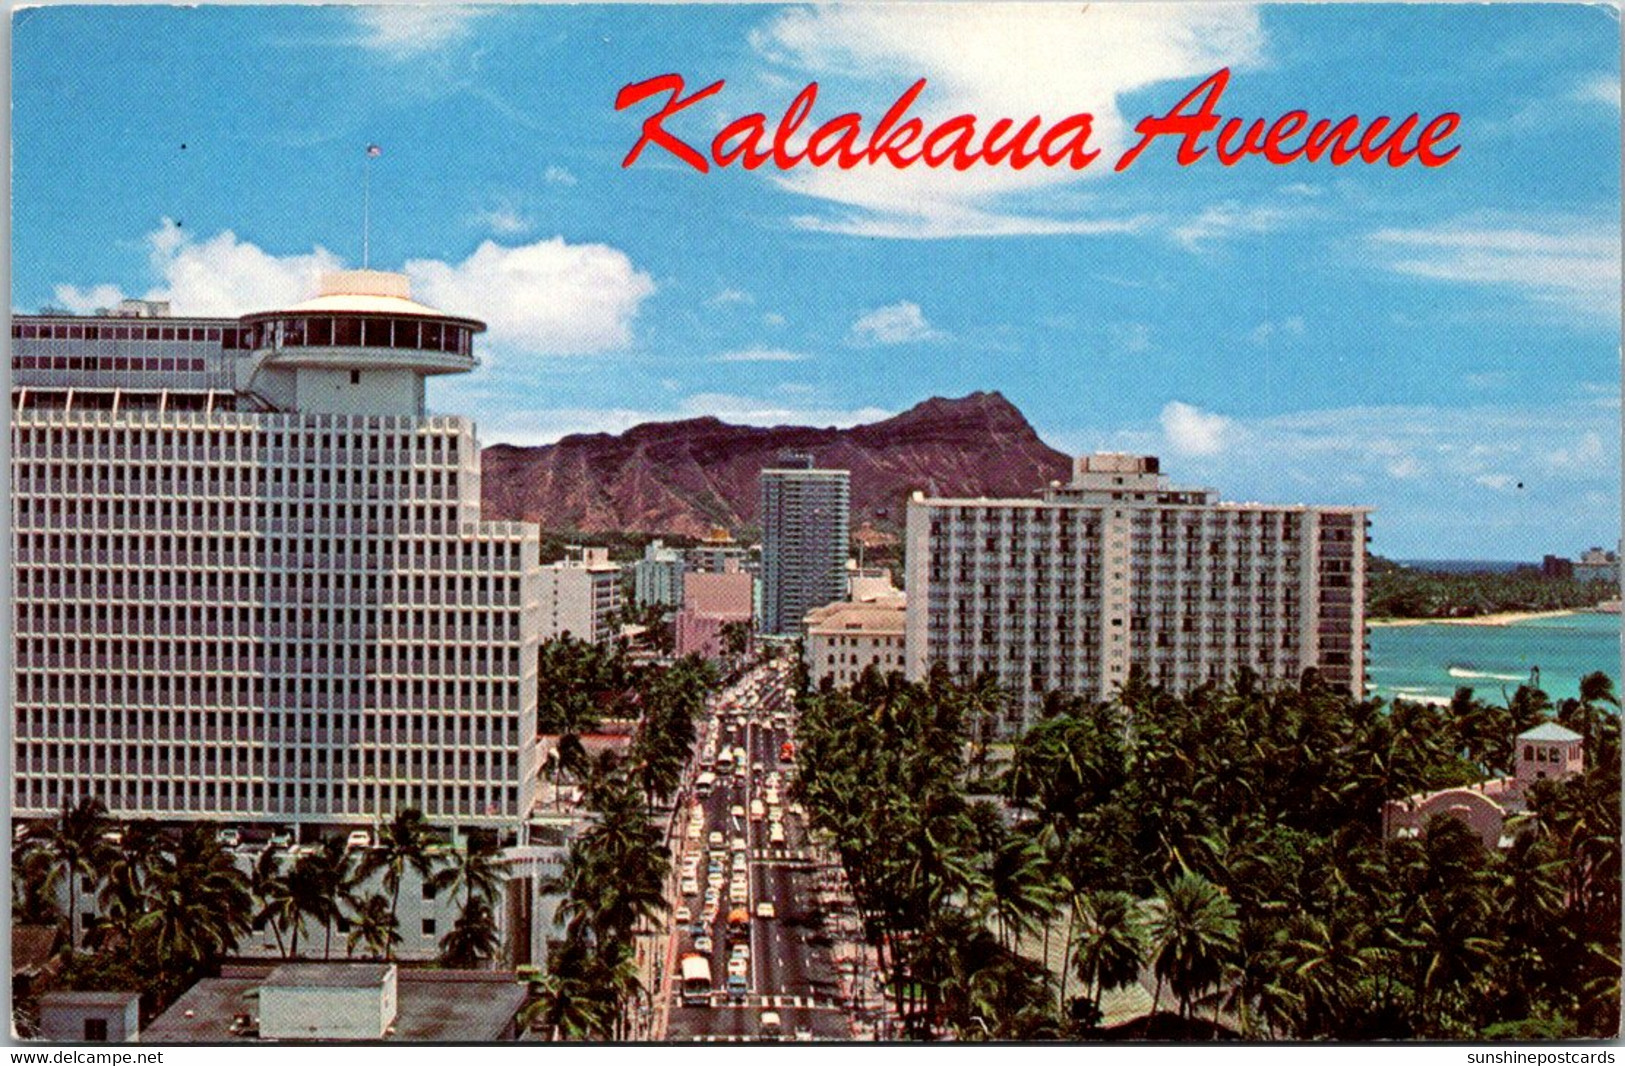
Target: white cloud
{"points": [[759, 355], [406, 31], [87, 301], [729, 296], [504, 220], [1223, 221], [993, 61], [1290, 326], [773, 318], [1598, 89], [220, 275], [1498, 482], [1192, 431], [555, 175], [899, 323], [548, 298], [1130, 337], [1571, 264]]}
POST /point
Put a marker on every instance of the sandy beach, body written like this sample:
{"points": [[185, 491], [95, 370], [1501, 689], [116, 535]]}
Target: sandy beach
{"points": [[1504, 618]]}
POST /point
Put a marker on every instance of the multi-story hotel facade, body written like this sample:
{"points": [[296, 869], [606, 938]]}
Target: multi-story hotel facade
{"points": [[251, 582], [805, 519], [1119, 569]]}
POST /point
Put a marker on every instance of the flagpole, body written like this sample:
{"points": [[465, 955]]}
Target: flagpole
{"points": [[366, 209]]}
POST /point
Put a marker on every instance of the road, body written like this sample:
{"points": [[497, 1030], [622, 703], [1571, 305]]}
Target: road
{"points": [[790, 970]]}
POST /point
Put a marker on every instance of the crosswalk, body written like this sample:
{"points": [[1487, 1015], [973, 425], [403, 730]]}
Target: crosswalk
{"points": [[759, 1001]]}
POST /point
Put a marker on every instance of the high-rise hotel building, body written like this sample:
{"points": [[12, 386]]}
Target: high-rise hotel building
{"points": [[1120, 569], [805, 517], [251, 582]]}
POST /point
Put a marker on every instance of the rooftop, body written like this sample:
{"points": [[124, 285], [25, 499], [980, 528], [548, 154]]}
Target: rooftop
{"points": [[327, 975], [462, 1006], [1550, 731], [372, 292]]}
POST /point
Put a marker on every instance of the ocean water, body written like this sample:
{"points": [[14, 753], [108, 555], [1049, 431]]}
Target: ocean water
{"points": [[1429, 662]]}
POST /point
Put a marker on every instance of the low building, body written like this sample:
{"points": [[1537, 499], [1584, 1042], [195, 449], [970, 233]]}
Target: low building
{"points": [[1546, 751], [657, 578], [581, 596], [716, 553], [91, 1017], [339, 1002], [1557, 568], [845, 639], [710, 603]]}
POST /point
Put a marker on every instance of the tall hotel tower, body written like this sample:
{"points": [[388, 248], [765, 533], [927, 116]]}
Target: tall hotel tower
{"points": [[251, 580], [805, 516], [1120, 569]]}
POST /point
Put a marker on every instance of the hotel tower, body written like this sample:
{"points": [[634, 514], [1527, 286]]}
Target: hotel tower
{"points": [[1120, 569], [251, 582]]}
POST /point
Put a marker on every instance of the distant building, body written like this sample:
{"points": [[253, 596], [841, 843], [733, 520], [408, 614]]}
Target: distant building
{"points": [[805, 517], [91, 1017], [1546, 751], [717, 552], [1597, 565], [868, 582], [1556, 568], [845, 639], [1121, 569], [657, 578], [326, 1002], [710, 602], [581, 596]]}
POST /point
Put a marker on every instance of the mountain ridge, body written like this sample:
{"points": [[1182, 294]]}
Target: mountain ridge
{"points": [[687, 476]]}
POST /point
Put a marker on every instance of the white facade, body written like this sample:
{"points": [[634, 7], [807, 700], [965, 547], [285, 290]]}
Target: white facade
{"points": [[230, 606], [1119, 569], [657, 578], [581, 596], [845, 639], [317, 1001]]}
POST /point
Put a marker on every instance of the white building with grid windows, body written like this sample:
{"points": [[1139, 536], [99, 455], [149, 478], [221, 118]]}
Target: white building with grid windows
{"points": [[251, 583], [1120, 569]]}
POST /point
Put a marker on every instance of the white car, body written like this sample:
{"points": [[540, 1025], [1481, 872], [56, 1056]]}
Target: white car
{"points": [[737, 811], [772, 796], [738, 845], [738, 966], [765, 909], [359, 839], [741, 950], [738, 894], [683, 914], [690, 886], [775, 833], [715, 839]]}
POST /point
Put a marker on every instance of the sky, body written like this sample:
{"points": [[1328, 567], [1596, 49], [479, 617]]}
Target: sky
{"points": [[1442, 344]]}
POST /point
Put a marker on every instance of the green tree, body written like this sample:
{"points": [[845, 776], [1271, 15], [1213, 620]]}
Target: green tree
{"points": [[1193, 932]]}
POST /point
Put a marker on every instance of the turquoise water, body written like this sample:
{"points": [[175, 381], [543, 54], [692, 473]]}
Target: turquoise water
{"points": [[1432, 661]]}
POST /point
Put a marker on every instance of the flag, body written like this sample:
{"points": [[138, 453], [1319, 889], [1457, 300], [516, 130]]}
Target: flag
{"points": [[373, 151]]}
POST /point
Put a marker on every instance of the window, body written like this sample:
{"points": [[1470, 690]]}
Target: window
{"points": [[428, 927], [96, 1030], [355, 377]]}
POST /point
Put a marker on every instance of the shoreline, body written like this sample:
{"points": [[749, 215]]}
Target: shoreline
{"points": [[1499, 618]]}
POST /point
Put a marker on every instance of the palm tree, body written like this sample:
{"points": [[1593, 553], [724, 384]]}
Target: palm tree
{"points": [[77, 851], [1020, 887], [473, 938], [322, 881], [374, 927], [1193, 933], [276, 907], [472, 871], [1110, 945], [132, 862], [403, 844]]}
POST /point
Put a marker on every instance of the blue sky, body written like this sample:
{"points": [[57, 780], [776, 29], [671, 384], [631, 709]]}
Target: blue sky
{"points": [[1441, 344]]}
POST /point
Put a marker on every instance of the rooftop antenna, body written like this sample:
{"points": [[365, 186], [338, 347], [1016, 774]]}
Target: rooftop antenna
{"points": [[373, 152]]}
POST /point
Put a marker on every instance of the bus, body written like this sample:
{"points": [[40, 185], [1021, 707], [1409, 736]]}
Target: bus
{"points": [[696, 981], [705, 783]]}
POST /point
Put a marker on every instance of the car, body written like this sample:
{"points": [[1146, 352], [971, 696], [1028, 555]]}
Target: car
{"points": [[683, 914], [771, 1028], [758, 810], [715, 880], [281, 840], [741, 950], [690, 886], [737, 811], [772, 796], [229, 838], [699, 928], [758, 767], [738, 844], [712, 896], [775, 833], [715, 867], [739, 966], [738, 894], [703, 945], [766, 910], [715, 839]]}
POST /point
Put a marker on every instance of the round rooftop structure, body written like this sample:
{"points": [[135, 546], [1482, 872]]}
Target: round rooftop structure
{"points": [[364, 319]]}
